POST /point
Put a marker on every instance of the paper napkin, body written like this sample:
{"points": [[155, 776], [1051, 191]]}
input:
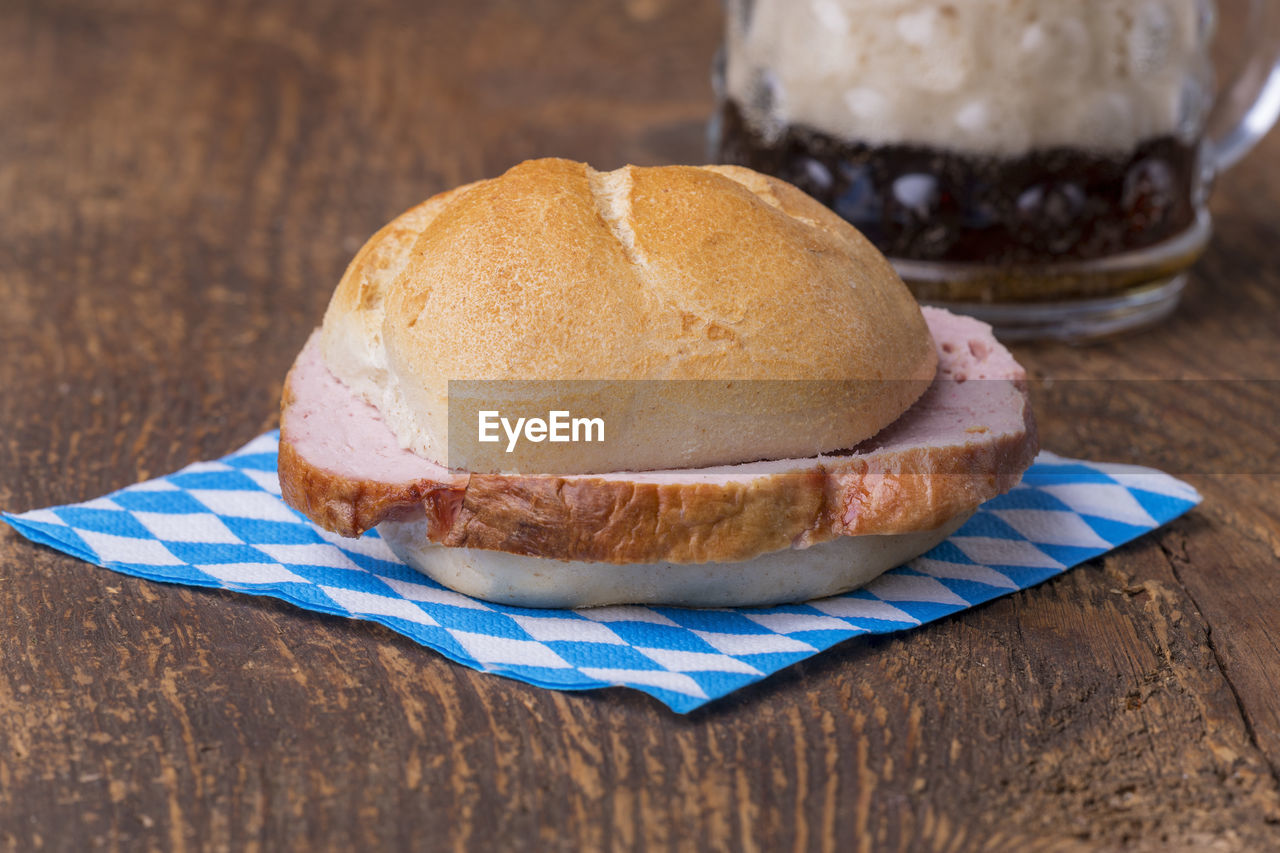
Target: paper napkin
{"points": [[222, 524]]}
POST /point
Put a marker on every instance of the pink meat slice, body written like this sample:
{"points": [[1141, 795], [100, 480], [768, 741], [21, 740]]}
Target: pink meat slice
{"points": [[969, 437]]}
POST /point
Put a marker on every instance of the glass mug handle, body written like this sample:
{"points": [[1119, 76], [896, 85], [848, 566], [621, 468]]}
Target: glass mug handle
{"points": [[1250, 105]]}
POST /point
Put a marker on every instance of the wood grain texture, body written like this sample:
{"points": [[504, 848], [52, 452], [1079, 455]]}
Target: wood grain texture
{"points": [[181, 185]]}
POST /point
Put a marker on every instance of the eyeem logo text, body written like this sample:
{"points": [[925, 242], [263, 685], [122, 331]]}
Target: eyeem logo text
{"points": [[558, 427]]}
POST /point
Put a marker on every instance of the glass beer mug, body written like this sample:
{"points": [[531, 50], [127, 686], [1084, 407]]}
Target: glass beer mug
{"points": [[1041, 164]]}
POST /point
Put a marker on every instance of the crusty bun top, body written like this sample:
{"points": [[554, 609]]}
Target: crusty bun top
{"points": [[555, 271]]}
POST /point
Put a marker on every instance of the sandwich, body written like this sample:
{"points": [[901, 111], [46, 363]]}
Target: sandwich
{"points": [[679, 385]]}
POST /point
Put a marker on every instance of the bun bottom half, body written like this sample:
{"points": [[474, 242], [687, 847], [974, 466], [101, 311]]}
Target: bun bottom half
{"points": [[823, 570]]}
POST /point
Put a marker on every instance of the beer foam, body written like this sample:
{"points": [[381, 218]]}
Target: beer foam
{"points": [[998, 77]]}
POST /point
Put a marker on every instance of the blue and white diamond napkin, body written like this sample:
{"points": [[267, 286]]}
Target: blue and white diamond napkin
{"points": [[222, 524]]}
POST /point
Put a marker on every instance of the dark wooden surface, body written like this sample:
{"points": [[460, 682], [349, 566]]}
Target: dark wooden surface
{"points": [[181, 184]]}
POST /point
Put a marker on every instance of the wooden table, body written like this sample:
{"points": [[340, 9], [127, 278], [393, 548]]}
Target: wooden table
{"points": [[181, 184]]}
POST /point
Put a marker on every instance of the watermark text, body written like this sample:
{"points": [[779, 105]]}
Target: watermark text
{"points": [[558, 427]]}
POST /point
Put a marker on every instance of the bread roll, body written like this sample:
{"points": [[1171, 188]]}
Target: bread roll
{"points": [[587, 282]]}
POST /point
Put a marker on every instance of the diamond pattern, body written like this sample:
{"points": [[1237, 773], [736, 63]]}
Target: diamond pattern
{"points": [[859, 610], [744, 645], [1052, 527], [490, 649], [238, 574], [192, 527], [903, 587], [681, 661], [372, 604], [963, 572], [262, 506], [1112, 501], [127, 549], [990, 551], [549, 629], [222, 523]]}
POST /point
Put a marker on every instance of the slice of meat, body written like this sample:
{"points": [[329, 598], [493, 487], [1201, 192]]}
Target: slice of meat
{"points": [[969, 438]]}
